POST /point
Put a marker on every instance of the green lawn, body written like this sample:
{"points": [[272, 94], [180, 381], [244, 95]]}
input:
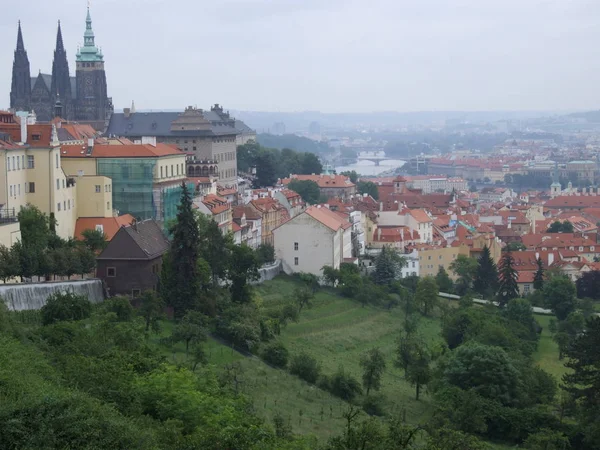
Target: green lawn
{"points": [[547, 352], [336, 331]]}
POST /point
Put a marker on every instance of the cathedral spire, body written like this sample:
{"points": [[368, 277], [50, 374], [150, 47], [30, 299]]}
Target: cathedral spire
{"points": [[89, 52], [20, 45], [59, 40]]}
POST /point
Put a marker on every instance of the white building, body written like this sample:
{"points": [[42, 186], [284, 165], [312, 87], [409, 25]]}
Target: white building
{"points": [[314, 238], [435, 183], [412, 264]]}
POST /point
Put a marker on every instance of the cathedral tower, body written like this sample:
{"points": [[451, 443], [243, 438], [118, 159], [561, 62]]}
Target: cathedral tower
{"points": [[93, 104], [61, 81], [20, 89]]}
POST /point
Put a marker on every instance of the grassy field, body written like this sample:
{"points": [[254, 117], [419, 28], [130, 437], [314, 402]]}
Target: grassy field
{"points": [[336, 331]]}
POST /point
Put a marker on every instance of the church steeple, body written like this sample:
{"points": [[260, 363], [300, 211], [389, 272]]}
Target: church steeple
{"points": [[20, 89], [61, 80], [89, 51]]}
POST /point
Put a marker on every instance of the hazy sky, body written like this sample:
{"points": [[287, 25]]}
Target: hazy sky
{"points": [[327, 55]]}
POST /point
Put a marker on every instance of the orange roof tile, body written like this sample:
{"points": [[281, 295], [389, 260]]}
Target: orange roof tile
{"points": [[110, 225], [328, 218], [119, 151]]}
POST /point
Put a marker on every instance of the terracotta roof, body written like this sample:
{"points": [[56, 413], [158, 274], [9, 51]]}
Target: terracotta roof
{"points": [[328, 218], [120, 151], [110, 225], [420, 216], [574, 201], [324, 181]]}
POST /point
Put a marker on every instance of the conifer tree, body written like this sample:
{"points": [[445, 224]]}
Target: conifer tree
{"points": [[508, 279], [180, 285], [538, 278], [486, 275]]}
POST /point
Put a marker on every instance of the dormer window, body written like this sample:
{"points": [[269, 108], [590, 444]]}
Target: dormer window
{"points": [[36, 137]]}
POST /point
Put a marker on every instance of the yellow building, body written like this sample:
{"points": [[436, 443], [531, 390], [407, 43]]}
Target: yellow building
{"points": [[432, 258]]}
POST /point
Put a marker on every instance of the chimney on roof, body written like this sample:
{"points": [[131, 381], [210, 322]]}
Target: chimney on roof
{"points": [[23, 130], [537, 255], [550, 258], [127, 112]]}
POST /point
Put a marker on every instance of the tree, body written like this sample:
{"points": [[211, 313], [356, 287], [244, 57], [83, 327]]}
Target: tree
{"points": [[538, 278], [583, 382], [444, 282], [191, 329], [266, 168], [344, 385], [387, 266], [265, 254], [214, 247], [427, 295], [559, 293], [485, 282], [307, 189], [418, 373], [351, 174], [588, 285], [179, 283], [65, 307], [560, 227], [151, 309], [519, 310], [515, 246], [508, 277], [276, 354], [373, 365], [310, 164], [487, 370], [369, 188], [27, 256], [95, 240], [87, 260], [246, 155], [302, 296], [331, 276], [9, 264], [464, 267], [35, 227], [243, 267], [547, 439]]}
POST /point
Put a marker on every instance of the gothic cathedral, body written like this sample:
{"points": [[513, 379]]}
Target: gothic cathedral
{"points": [[82, 98]]}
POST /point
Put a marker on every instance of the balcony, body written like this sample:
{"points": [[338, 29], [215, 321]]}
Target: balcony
{"points": [[8, 215]]}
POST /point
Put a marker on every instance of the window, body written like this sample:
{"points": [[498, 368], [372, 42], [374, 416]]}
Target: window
{"points": [[18, 163], [65, 205], [136, 292], [526, 288], [69, 204], [106, 188], [592, 248], [580, 249], [13, 163], [171, 169], [57, 183], [97, 188], [57, 156], [63, 183], [10, 190], [177, 169], [32, 187], [296, 261], [413, 264], [8, 162], [429, 258], [107, 205], [296, 246], [19, 188], [161, 171], [36, 137], [58, 206], [111, 271], [194, 148], [414, 273], [440, 257]]}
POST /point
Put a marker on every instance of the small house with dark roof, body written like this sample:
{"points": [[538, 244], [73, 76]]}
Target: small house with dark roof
{"points": [[131, 262]]}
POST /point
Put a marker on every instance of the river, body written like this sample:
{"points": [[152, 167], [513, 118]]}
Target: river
{"points": [[368, 168]]}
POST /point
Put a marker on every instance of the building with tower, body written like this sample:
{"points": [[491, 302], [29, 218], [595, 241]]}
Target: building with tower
{"points": [[81, 98]]}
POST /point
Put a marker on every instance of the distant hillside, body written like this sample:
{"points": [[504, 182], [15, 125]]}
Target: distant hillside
{"points": [[589, 116], [291, 141]]}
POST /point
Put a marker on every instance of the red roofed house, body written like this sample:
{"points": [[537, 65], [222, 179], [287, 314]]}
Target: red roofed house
{"points": [[218, 209], [272, 215], [329, 185], [249, 221], [107, 225], [314, 238]]}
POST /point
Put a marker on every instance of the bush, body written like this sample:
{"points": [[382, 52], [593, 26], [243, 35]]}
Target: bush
{"points": [[265, 254], [344, 385], [324, 382], [121, 307], [65, 306], [276, 354], [289, 313], [373, 405], [305, 367]]}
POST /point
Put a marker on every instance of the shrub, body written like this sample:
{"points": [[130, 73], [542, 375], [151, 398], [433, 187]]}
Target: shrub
{"points": [[121, 307], [65, 306], [289, 313], [373, 405], [276, 354], [305, 367], [344, 385]]}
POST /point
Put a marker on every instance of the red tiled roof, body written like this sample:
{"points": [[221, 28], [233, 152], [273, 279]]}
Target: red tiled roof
{"points": [[120, 151], [324, 181], [328, 218], [110, 225]]}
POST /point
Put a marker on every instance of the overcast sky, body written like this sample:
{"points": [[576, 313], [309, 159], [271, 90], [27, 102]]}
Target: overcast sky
{"points": [[327, 55]]}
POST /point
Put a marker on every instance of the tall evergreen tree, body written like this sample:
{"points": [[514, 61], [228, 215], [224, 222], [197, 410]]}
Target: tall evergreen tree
{"points": [[508, 279], [180, 285], [387, 266], [486, 275], [538, 278]]}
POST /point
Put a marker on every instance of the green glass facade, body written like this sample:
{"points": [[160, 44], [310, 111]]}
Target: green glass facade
{"points": [[134, 191]]}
